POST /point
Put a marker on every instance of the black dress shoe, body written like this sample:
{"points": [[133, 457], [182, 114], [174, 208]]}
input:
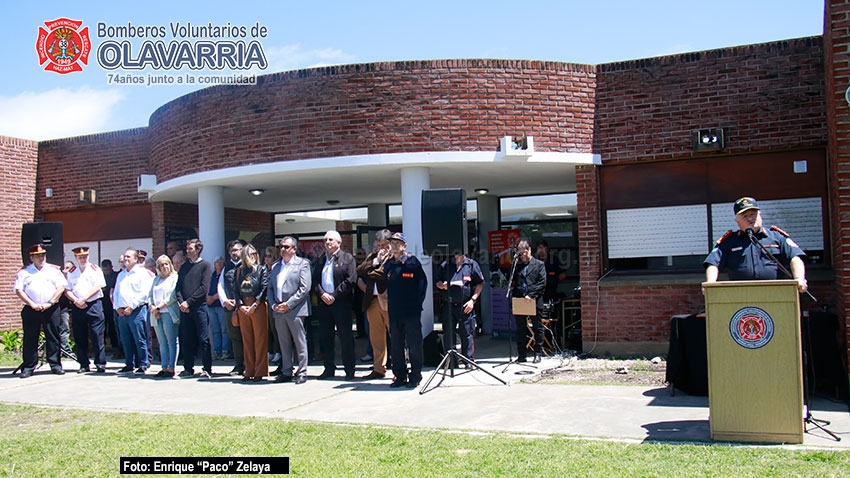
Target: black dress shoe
{"points": [[57, 371], [100, 369], [26, 373], [326, 374], [276, 372], [84, 370], [521, 360], [349, 375], [283, 378], [126, 369], [187, 373], [398, 383], [300, 379], [236, 372]]}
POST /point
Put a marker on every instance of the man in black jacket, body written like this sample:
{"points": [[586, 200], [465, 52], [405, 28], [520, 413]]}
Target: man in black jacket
{"points": [[225, 284], [193, 283], [529, 282], [334, 279]]}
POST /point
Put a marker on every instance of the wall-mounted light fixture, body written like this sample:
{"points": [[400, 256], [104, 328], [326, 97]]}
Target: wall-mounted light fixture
{"points": [[710, 139], [482, 191], [88, 196], [257, 192]]}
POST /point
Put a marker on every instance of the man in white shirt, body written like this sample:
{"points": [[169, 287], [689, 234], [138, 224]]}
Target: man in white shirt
{"points": [[40, 285], [130, 301], [85, 292]]}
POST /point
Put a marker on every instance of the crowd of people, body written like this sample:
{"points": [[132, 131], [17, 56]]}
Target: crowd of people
{"points": [[252, 309], [257, 310]]}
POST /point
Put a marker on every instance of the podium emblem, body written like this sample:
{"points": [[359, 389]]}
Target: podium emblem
{"points": [[751, 327]]}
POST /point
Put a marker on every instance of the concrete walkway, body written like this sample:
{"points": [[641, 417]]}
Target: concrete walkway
{"points": [[472, 401]]}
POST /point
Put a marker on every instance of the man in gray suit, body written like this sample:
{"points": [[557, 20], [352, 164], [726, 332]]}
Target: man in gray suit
{"points": [[289, 296]]}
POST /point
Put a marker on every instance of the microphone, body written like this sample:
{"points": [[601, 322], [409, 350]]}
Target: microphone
{"points": [[750, 233]]}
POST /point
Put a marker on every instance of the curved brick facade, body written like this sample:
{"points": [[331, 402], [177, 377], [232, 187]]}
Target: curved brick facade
{"points": [[451, 105], [769, 97]]}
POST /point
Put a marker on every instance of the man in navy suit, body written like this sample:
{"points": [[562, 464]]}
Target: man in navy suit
{"points": [[289, 297]]}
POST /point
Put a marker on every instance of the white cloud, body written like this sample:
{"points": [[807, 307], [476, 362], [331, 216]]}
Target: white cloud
{"points": [[58, 113], [293, 57]]}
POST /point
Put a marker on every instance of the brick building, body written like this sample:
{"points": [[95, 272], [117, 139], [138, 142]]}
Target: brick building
{"points": [[619, 135]]}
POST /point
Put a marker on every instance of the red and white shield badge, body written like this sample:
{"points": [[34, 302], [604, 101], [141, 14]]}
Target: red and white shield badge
{"points": [[63, 46]]}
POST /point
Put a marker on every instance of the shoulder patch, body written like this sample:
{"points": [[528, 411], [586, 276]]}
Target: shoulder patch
{"points": [[723, 237], [774, 228]]}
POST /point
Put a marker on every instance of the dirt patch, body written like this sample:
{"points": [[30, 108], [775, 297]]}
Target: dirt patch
{"points": [[600, 371]]}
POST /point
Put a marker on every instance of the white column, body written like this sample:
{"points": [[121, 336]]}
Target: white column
{"points": [[488, 220], [413, 181], [377, 215], [211, 221]]}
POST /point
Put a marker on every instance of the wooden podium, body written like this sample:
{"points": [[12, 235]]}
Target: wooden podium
{"points": [[755, 372]]}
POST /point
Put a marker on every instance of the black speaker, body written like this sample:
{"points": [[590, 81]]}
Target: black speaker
{"points": [[47, 233], [444, 221]]}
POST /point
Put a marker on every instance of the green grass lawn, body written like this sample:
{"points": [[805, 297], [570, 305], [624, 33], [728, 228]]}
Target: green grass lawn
{"points": [[53, 442]]}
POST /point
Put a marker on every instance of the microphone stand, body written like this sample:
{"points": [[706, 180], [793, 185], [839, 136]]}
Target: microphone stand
{"points": [[809, 418], [769, 255]]}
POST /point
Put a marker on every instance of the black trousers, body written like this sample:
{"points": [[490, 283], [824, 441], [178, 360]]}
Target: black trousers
{"points": [[235, 334], [33, 322], [407, 333], [338, 316], [194, 332], [522, 333], [88, 324]]}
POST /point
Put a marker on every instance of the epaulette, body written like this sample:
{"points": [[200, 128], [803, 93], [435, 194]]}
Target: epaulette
{"points": [[54, 266], [774, 228], [92, 266], [723, 237]]}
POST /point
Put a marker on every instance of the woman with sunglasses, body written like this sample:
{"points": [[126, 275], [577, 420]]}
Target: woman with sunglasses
{"points": [[250, 284]]}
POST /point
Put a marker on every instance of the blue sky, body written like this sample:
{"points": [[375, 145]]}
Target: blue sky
{"points": [[37, 104]]}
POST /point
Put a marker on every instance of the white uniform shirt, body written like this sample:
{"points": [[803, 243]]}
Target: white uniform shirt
{"points": [[40, 285], [81, 282], [132, 288]]}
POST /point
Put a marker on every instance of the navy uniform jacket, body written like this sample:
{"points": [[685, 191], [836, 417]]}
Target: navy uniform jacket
{"points": [[469, 275], [406, 287], [743, 260]]}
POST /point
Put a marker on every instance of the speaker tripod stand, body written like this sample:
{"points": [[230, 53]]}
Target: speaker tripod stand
{"points": [[447, 366], [452, 357]]}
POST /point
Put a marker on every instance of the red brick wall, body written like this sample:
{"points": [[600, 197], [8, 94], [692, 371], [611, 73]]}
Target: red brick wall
{"points": [[767, 97], [109, 163], [837, 64], [450, 105], [17, 201]]}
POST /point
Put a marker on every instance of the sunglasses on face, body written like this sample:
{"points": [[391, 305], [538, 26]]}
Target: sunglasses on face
{"points": [[285, 247]]}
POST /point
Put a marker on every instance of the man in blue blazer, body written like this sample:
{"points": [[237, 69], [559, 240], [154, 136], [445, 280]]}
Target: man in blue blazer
{"points": [[289, 296]]}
